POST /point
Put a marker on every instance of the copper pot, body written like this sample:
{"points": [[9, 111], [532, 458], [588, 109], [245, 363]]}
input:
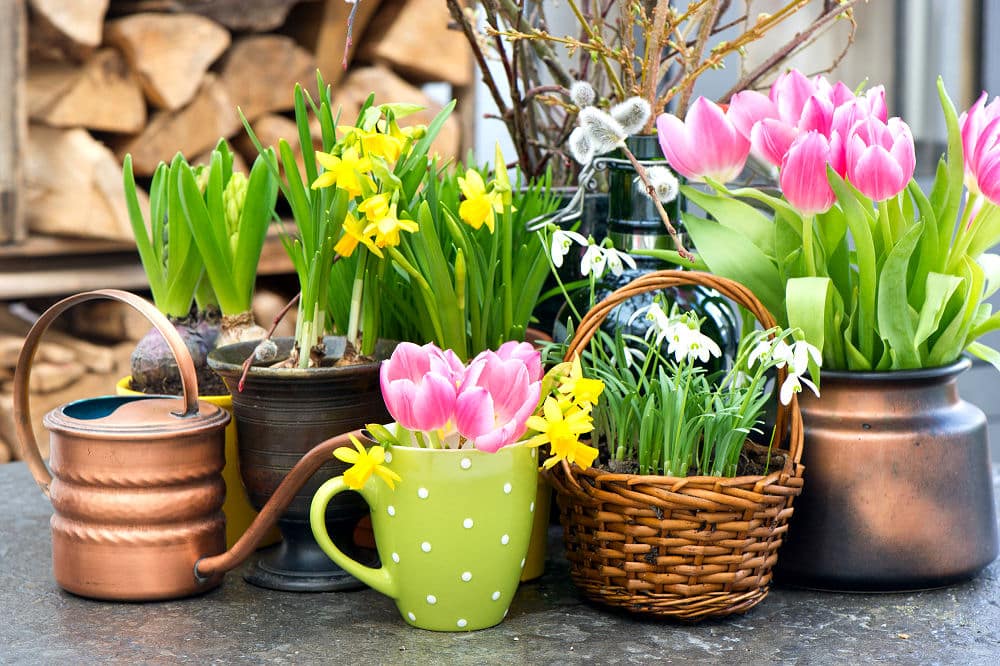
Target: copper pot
{"points": [[899, 492], [135, 481]]}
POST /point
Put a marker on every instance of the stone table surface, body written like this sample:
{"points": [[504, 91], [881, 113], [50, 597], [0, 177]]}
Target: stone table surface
{"points": [[548, 622]]}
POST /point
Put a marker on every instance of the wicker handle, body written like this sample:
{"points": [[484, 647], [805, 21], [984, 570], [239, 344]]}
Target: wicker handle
{"points": [[22, 411], [658, 280]]}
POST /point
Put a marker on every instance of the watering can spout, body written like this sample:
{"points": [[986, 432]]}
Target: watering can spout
{"points": [[207, 567]]}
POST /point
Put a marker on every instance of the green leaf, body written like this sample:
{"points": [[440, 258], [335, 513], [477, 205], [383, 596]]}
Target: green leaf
{"points": [[896, 319], [808, 301], [148, 255], [939, 290], [738, 216], [255, 218], [730, 254], [948, 212], [984, 352]]}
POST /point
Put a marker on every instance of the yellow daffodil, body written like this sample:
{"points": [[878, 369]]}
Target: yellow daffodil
{"points": [[480, 207], [414, 132], [562, 431], [355, 232], [385, 224], [374, 143], [364, 464], [582, 391], [345, 171]]}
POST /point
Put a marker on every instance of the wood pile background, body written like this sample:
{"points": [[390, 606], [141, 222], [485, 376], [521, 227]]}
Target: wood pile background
{"points": [[154, 77]]}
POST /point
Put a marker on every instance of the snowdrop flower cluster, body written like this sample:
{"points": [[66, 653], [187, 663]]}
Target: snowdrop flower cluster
{"points": [[596, 259], [796, 356], [681, 332]]}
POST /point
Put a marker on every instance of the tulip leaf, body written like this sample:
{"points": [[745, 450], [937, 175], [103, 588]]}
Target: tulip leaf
{"points": [[736, 215], [987, 225], [984, 352], [948, 211], [808, 301], [952, 339], [731, 254], [940, 288], [896, 318]]}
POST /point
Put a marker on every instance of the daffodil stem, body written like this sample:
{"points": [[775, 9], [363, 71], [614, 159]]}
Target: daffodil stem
{"points": [[357, 293]]}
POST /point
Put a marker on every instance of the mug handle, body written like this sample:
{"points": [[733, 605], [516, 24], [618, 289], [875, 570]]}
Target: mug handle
{"points": [[379, 579]]}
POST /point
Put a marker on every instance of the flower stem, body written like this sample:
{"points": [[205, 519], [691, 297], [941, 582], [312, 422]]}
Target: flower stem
{"points": [[807, 245]]}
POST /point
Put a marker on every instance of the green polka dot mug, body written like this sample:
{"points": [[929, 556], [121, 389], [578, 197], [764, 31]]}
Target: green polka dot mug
{"points": [[452, 536]]}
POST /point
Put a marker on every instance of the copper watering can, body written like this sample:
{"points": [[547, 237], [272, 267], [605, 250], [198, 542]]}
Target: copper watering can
{"points": [[136, 481]]}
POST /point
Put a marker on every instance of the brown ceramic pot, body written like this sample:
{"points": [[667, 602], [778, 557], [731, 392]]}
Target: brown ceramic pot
{"points": [[898, 491], [280, 415]]}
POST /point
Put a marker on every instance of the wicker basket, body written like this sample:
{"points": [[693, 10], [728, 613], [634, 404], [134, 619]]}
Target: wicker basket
{"points": [[683, 548]]}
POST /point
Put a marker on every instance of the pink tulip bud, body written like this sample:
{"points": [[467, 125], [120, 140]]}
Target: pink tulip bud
{"points": [[880, 157], [980, 127], [523, 351], [790, 92], [705, 145], [803, 174], [418, 387], [495, 401]]}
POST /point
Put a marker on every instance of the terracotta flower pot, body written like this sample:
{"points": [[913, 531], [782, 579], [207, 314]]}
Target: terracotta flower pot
{"points": [[899, 493]]}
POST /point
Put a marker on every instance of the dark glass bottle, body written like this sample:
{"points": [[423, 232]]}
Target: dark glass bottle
{"points": [[634, 224]]}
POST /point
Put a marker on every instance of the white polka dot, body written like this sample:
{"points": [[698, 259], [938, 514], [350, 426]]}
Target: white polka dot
{"points": [[531, 509], [505, 539], [388, 457], [467, 523], [413, 618], [461, 622], [466, 463], [522, 562], [496, 595], [422, 493], [431, 599], [395, 558], [426, 546], [391, 510], [467, 576], [507, 488]]}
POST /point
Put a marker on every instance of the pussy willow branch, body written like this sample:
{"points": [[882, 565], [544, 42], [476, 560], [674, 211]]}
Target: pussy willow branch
{"points": [[651, 68], [651, 191]]}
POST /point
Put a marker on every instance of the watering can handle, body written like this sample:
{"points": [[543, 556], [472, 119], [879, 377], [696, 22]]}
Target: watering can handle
{"points": [[22, 412]]}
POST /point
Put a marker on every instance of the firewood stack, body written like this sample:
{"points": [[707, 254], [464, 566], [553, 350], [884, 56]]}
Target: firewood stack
{"points": [[85, 357], [154, 77]]}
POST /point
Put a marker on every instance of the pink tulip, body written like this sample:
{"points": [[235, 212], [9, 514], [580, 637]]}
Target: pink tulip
{"points": [[880, 157], [523, 351], [980, 127], [790, 92], [419, 386], [749, 107], [803, 174], [771, 138], [495, 401], [705, 145]]}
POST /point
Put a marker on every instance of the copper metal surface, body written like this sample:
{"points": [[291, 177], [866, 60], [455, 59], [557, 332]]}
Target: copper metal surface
{"points": [[135, 481], [898, 493]]}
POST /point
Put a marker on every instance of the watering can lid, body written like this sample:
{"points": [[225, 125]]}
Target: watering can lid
{"points": [[149, 416]]}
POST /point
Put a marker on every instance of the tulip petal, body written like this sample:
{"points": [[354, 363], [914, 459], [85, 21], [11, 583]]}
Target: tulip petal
{"points": [[474, 416], [748, 107], [770, 140], [674, 143]]}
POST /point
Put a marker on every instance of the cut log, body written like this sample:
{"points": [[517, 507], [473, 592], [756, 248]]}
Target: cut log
{"points": [[8, 435], [48, 352], [104, 94], [412, 36], [74, 186], [96, 358], [109, 321], [66, 28], [260, 73], [266, 306], [52, 377], [170, 53], [322, 28], [251, 15], [389, 87], [192, 130]]}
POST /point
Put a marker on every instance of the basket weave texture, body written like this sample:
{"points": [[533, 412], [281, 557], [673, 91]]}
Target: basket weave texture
{"points": [[683, 548]]}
